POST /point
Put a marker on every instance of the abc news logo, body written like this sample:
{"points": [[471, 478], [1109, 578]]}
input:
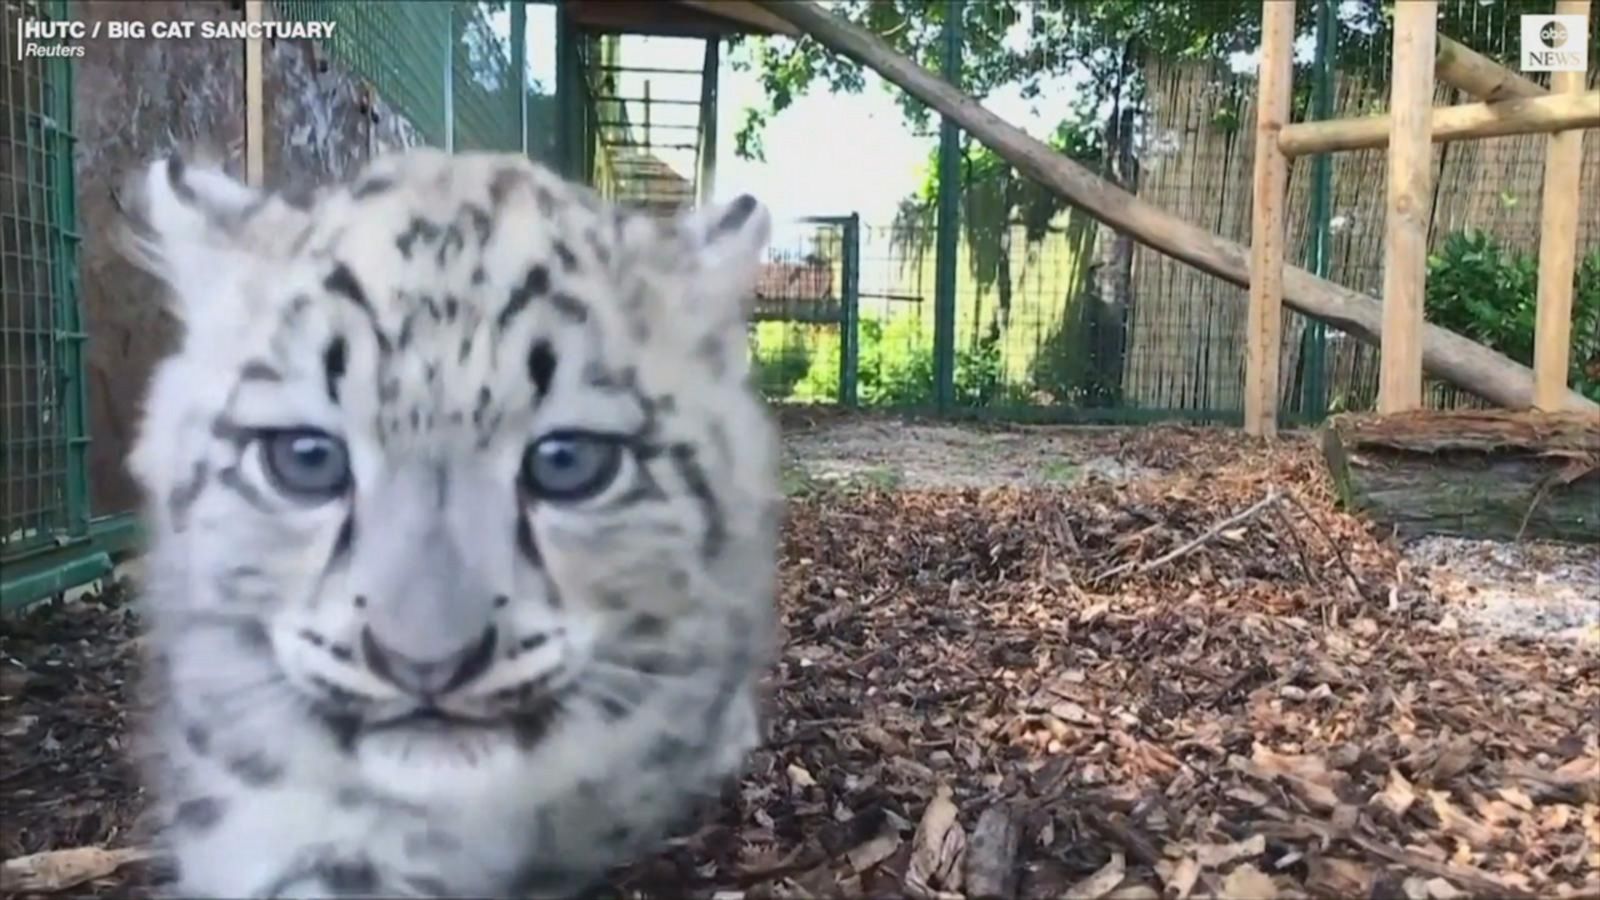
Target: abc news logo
{"points": [[1555, 43]]}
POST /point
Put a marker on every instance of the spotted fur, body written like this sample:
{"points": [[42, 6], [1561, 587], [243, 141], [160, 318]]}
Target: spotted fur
{"points": [[430, 680]]}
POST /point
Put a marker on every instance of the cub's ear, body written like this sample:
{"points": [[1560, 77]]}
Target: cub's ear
{"points": [[730, 240], [193, 226]]}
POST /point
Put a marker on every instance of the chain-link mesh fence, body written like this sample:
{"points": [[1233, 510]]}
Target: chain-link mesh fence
{"points": [[450, 68], [43, 491]]}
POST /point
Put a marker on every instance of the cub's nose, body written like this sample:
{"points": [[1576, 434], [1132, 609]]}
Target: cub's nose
{"points": [[428, 677]]}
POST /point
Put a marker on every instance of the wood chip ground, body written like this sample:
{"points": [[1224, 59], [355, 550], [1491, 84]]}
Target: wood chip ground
{"points": [[1074, 687]]}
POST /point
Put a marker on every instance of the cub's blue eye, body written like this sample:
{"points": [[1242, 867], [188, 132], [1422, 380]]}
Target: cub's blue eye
{"points": [[571, 466], [306, 463]]}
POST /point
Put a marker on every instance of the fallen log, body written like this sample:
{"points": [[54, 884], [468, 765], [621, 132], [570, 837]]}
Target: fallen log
{"points": [[1445, 354], [1499, 474]]}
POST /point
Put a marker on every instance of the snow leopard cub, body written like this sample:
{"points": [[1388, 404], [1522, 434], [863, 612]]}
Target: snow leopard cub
{"points": [[463, 519]]}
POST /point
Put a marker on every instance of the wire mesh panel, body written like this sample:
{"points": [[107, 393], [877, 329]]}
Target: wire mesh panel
{"points": [[42, 481], [450, 68], [802, 337]]}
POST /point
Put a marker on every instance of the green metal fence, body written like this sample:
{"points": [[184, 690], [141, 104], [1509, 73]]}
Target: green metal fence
{"points": [[45, 540], [455, 71]]}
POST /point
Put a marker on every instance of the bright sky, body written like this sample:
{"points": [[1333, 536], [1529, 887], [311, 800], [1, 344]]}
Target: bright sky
{"points": [[826, 154]]}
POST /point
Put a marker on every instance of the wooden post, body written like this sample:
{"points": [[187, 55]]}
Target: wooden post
{"points": [[1522, 115], [1465, 69], [1558, 244], [1263, 343], [1405, 252], [255, 143]]}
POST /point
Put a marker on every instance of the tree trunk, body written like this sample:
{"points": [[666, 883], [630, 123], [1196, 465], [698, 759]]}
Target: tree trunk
{"points": [[1479, 474], [1446, 355]]}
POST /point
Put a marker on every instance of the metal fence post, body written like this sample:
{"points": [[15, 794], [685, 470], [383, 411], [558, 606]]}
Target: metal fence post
{"points": [[947, 242], [519, 68], [850, 318], [1313, 356], [450, 77]]}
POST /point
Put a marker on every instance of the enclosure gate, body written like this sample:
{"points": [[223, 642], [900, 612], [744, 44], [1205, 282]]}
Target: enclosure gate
{"points": [[804, 329], [46, 544]]}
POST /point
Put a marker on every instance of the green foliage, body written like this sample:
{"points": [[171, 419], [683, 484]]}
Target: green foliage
{"points": [[1489, 293], [782, 363]]}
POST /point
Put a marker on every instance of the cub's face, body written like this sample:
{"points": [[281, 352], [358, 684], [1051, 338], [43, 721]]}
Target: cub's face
{"points": [[454, 455]]}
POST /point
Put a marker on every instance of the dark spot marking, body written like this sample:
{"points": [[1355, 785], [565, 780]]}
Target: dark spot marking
{"points": [[199, 814], [254, 635], [343, 282], [614, 600], [347, 533], [542, 366], [570, 306], [346, 876], [389, 390], [333, 366], [668, 751], [485, 397], [175, 170], [738, 214], [342, 726], [531, 728], [419, 229], [503, 183], [232, 480], [256, 370], [526, 544], [225, 429], [301, 197], [612, 709], [407, 326], [478, 275], [185, 494], [433, 840], [711, 350], [197, 738], [361, 601], [536, 284], [452, 306], [694, 477], [646, 625], [371, 187], [533, 642], [416, 419], [456, 418], [341, 652], [426, 886], [569, 261], [482, 224], [311, 637], [598, 247], [545, 201], [452, 243], [466, 349], [256, 770], [501, 601], [430, 372]]}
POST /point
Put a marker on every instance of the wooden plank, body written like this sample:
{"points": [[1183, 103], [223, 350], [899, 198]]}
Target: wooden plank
{"points": [[1558, 244], [1525, 115], [679, 18], [1264, 324], [1447, 355], [1465, 69], [751, 14], [255, 139], [1405, 251], [1484, 474]]}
